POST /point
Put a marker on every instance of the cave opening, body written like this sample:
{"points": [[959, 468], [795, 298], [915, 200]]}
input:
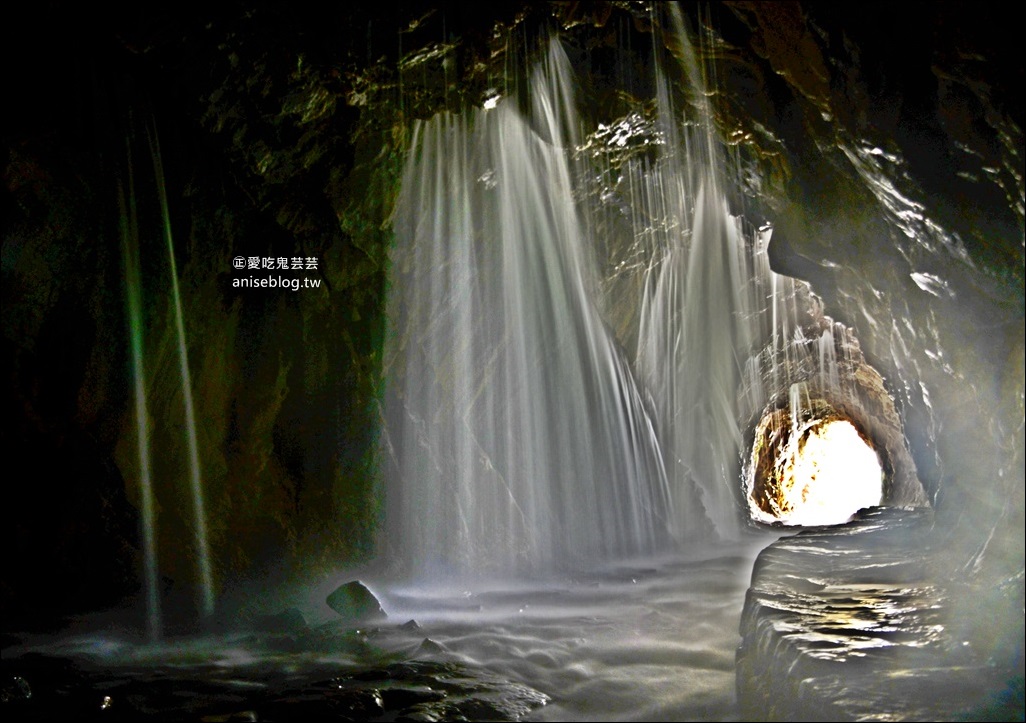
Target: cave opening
{"points": [[812, 466]]}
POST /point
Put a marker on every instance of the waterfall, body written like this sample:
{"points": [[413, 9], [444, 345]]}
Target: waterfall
{"points": [[518, 438], [706, 284], [519, 434]]}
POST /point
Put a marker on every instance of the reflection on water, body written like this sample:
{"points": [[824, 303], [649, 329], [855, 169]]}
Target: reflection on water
{"points": [[847, 620]]}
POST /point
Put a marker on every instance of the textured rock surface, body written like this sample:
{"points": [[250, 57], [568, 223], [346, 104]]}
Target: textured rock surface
{"points": [[854, 623], [355, 603]]}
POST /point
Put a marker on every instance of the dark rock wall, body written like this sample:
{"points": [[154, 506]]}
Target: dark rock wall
{"points": [[284, 381], [880, 141], [897, 140]]}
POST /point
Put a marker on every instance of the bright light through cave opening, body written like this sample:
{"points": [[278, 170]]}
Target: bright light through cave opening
{"points": [[820, 473], [835, 474]]}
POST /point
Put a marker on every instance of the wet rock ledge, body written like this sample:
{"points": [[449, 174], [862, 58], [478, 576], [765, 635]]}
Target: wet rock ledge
{"points": [[850, 623]]}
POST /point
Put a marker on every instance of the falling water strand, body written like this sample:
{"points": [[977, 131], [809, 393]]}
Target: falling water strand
{"points": [[195, 477], [719, 337], [697, 322], [130, 254]]}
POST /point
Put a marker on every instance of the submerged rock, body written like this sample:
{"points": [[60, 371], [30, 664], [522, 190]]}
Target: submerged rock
{"points": [[286, 621], [355, 603], [315, 689], [429, 647]]}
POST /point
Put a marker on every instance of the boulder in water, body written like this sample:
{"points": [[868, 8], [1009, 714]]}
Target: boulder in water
{"points": [[355, 603]]}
